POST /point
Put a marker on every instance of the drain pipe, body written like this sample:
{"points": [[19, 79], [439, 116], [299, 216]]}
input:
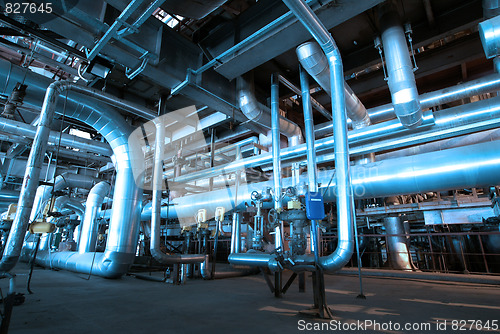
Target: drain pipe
{"points": [[275, 133], [156, 201], [314, 61], [88, 234], [401, 79]]}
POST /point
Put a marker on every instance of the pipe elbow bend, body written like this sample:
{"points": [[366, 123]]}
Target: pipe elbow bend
{"points": [[409, 113], [114, 264]]}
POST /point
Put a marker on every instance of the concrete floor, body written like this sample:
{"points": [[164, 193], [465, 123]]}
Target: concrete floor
{"points": [[65, 302]]}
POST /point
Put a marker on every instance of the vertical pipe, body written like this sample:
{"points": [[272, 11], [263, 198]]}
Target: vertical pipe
{"points": [[90, 226], [236, 233], [311, 154], [345, 208], [157, 181], [275, 130], [14, 243], [398, 249], [401, 80]]}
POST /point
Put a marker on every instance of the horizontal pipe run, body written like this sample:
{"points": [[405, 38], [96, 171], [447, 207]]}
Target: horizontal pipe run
{"points": [[484, 85], [457, 168], [27, 130]]}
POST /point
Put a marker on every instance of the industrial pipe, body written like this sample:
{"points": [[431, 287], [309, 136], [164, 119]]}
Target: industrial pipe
{"points": [[314, 61], [457, 168], [260, 114], [65, 180], [311, 154], [21, 129], [487, 84], [124, 224], [345, 208], [397, 248], [157, 181], [89, 225], [401, 79], [275, 133]]}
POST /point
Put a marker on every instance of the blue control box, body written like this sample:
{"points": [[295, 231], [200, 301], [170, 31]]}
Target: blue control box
{"points": [[315, 208]]}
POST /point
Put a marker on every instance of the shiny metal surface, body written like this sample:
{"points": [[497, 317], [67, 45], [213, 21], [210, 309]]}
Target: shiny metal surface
{"points": [[89, 225], [124, 223], [345, 203], [260, 114], [314, 61], [14, 243], [311, 154], [401, 79], [27, 130], [236, 233], [489, 31], [275, 133], [397, 247], [63, 202], [65, 180], [456, 168]]}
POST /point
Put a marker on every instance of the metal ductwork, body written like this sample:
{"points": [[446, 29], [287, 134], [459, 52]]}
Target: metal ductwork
{"points": [[124, 224], [261, 115], [193, 9], [90, 225], [314, 61], [401, 79]]}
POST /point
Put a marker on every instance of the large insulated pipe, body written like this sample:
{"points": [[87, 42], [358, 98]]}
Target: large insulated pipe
{"points": [[464, 119], [491, 8], [397, 247], [489, 31], [457, 168], [345, 207], [22, 129], [401, 79], [157, 181], [124, 223], [311, 154], [63, 202], [487, 84], [90, 225], [260, 114], [275, 133], [314, 61], [65, 180], [14, 243]]}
